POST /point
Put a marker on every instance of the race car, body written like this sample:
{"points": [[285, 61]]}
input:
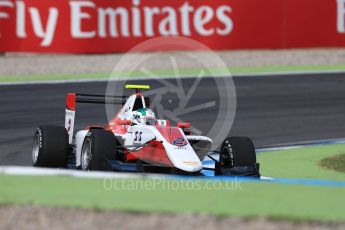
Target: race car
{"points": [[134, 140]]}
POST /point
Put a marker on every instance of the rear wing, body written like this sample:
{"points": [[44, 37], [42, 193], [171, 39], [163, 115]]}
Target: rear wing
{"points": [[72, 99]]}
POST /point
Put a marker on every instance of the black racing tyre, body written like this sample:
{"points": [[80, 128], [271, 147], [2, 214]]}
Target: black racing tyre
{"points": [[99, 148], [237, 151], [50, 147]]}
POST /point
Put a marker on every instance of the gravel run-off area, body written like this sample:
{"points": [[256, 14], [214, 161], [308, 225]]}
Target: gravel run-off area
{"points": [[38, 217], [29, 64]]}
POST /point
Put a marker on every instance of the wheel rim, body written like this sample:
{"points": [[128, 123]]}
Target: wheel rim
{"points": [[35, 149], [86, 155], [226, 157]]}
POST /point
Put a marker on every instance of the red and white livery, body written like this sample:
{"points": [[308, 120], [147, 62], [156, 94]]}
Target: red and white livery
{"points": [[135, 141]]}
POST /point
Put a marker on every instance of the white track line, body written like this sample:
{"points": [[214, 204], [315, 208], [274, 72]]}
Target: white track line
{"points": [[268, 74], [31, 171], [296, 145]]}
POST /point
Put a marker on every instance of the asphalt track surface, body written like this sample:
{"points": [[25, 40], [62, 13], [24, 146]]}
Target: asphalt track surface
{"points": [[270, 109]]}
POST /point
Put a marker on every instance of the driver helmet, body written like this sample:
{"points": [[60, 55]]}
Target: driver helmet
{"points": [[144, 116]]}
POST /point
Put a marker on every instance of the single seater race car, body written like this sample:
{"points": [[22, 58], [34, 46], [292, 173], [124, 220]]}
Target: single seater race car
{"points": [[135, 141]]}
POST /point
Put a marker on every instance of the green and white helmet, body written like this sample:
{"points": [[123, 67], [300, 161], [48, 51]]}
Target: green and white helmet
{"points": [[144, 116]]}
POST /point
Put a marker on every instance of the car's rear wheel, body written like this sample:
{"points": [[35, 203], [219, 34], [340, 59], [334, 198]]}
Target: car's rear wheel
{"points": [[50, 147], [99, 149]]}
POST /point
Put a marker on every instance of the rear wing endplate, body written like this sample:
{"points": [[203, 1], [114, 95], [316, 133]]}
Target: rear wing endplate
{"points": [[72, 99]]}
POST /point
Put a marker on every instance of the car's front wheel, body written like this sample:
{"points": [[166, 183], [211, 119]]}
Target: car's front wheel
{"points": [[237, 157]]}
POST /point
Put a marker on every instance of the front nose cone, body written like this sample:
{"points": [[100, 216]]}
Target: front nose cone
{"points": [[190, 166]]}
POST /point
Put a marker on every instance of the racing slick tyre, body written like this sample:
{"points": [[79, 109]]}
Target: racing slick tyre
{"points": [[50, 147], [237, 157], [99, 148]]}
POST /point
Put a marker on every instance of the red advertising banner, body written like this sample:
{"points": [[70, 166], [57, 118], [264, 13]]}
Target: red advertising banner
{"points": [[106, 26]]}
